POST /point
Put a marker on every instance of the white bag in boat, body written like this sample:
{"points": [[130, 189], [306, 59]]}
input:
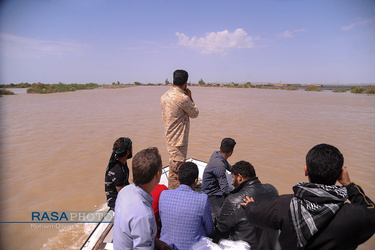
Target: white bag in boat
{"points": [[206, 243]]}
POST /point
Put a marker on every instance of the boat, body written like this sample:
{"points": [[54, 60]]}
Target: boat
{"points": [[102, 235]]}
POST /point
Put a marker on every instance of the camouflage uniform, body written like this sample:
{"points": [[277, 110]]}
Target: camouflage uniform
{"points": [[177, 107]]}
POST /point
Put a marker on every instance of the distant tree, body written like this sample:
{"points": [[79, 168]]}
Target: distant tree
{"points": [[201, 82], [137, 83], [167, 82]]}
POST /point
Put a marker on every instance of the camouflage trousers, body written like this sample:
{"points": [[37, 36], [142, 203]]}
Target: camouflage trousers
{"points": [[177, 156]]}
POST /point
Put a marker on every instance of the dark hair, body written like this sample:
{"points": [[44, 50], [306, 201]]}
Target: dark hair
{"points": [[324, 164], [187, 173], [244, 168], [145, 165], [121, 146], [180, 77], [227, 145]]}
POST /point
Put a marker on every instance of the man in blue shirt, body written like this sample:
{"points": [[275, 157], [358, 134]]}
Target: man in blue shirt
{"points": [[134, 225], [215, 183], [185, 214]]}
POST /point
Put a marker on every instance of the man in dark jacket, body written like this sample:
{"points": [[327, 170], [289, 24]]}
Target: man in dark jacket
{"points": [[319, 215], [215, 183], [232, 218]]}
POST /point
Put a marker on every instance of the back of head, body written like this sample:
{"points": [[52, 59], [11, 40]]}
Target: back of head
{"points": [[324, 164], [145, 165], [121, 146], [227, 145], [180, 77], [188, 173], [244, 168]]}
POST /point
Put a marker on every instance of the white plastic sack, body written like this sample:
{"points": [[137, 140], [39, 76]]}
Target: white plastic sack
{"points": [[234, 245], [206, 243]]}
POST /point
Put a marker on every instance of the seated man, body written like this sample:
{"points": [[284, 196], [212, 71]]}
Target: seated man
{"points": [[185, 214], [117, 172], [318, 214], [232, 218], [155, 204], [135, 226], [214, 182]]}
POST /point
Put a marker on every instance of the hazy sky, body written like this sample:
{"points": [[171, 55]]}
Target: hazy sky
{"points": [[105, 41]]}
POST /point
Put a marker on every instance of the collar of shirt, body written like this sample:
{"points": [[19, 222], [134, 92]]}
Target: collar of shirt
{"points": [[143, 193], [183, 187], [250, 181], [178, 89], [221, 157]]}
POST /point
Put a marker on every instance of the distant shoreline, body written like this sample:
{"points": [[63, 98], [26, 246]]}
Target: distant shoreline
{"points": [[40, 88]]}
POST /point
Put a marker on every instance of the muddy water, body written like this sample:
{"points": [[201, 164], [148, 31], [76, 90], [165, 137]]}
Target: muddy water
{"points": [[55, 147]]}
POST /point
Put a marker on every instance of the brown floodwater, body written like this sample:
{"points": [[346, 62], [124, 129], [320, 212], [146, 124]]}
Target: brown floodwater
{"points": [[55, 147]]}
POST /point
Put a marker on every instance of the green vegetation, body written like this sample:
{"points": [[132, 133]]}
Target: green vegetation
{"points": [[357, 90], [116, 85], [235, 85], [291, 88], [19, 85], [362, 90], [312, 88], [370, 90], [41, 88], [5, 92], [266, 86], [339, 90], [248, 84], [201, 82]]}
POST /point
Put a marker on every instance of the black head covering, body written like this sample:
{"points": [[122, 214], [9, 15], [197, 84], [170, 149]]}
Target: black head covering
{"points": [[127, 145]]}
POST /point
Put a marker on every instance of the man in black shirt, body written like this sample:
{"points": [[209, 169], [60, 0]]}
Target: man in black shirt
{"points": [[117, 172]]}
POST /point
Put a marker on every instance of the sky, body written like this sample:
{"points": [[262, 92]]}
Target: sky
{"points": [[219, 41]]}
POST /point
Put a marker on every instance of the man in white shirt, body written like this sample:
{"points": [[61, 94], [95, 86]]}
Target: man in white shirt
{"points": [[134, 225]]}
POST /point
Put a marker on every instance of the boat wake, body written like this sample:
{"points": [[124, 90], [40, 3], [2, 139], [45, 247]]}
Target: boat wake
{"points": [[71, 236]]}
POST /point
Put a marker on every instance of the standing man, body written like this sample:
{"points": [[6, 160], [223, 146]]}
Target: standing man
{"points": [[117, 172], [135, 225], [319, 215], [177, 106], [232, 218], [185, 214], [215, 183]]}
